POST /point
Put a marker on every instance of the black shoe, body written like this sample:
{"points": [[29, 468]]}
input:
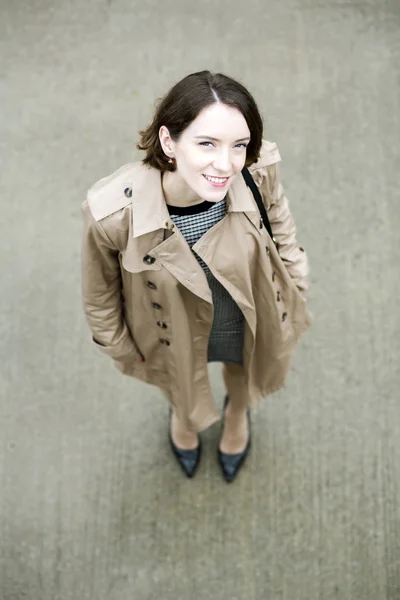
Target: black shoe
{"points": [[231, 463], [187, 459]]}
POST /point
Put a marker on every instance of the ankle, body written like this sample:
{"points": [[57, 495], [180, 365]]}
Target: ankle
{"points": [[182, 436], [236, 411], [179, 425]]}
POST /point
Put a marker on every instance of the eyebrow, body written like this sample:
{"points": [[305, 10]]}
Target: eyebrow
{"points": [[217, 140]]}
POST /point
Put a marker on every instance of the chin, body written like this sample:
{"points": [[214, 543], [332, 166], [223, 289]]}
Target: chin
{"points": [[217, 197]]}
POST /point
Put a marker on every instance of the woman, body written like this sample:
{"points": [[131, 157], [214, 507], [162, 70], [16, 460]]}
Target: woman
{"points": [[178, 269]]}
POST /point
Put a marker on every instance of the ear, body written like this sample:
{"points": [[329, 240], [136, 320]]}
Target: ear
{"points": [[166, 141]]}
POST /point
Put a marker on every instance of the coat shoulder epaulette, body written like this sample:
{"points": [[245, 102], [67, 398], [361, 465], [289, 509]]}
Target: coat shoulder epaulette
{"points": [[111, 193], [269, 155]]}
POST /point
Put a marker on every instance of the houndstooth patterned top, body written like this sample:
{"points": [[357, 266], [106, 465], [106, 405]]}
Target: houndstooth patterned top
{"points": [[226, 338]]}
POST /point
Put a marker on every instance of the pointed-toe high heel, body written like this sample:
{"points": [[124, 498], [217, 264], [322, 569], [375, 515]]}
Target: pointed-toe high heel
{"points": [[231, 463], [188, 459]]}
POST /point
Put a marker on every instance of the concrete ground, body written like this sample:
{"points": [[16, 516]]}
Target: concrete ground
{"points": [[92, 504]]}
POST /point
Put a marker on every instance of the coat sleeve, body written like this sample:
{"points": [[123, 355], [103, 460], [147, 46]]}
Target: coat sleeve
{"points": [[282, 224], [101, 291]]}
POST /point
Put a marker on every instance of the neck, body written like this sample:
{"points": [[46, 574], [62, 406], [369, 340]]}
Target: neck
{"points": [[177, 192]]}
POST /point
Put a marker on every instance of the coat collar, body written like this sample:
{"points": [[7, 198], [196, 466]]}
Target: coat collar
{"points": [[150, 212]]}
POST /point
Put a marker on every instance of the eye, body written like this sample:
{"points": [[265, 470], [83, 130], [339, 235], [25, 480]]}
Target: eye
{"points": [[237, 145]]}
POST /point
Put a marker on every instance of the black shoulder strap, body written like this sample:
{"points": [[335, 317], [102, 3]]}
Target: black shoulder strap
{"points": [[257, 197]]}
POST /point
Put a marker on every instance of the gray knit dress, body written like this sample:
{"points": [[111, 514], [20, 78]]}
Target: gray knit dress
{"points": [[226, 338]]}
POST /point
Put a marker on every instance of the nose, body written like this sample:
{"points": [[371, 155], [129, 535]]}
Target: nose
{"points": [[222, 161]]}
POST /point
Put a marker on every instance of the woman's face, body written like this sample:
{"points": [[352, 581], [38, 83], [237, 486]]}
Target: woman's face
{"points": [[212, 146]]}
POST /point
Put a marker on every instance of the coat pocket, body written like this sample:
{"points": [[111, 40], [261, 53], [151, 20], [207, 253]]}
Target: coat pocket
{"points": [[130, 366], [110, 351]]}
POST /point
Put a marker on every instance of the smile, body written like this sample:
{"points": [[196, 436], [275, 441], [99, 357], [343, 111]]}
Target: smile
{"points": [[216, 180]]}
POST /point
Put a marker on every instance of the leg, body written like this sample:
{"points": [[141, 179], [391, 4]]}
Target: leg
{"points": [[235, 434], [183, 438]]}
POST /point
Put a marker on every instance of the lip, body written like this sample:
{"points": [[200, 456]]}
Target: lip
{"points": [[216, 185]]}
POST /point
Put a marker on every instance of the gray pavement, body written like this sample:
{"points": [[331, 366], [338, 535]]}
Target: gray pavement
{"points": [[92, 505]]}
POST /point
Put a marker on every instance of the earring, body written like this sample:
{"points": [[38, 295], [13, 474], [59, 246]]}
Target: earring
{"points": [[171, 161]]}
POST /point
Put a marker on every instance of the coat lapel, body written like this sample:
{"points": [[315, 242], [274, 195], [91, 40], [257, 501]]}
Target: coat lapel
{"points": [[176, 256], [154, 234]]}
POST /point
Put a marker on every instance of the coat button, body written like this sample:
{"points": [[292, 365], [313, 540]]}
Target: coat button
{"points": [[267, 249], [301, 249], [151, 285], [162, 324], [156, 306], [128, 192], [165, 342], [284, 315], [273, 276], [278, 296], [149, 260]]}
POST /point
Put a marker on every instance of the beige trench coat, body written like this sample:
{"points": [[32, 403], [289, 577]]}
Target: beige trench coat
{"points": [[147, 300]]}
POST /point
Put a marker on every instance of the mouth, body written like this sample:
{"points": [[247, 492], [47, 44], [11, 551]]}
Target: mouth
{"points": [[218, 182]]}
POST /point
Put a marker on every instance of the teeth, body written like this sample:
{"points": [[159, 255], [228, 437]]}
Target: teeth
{"points": [[216, 179]]}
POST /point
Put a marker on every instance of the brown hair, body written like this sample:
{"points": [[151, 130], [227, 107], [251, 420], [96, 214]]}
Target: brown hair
{"points": [[181, 105]]}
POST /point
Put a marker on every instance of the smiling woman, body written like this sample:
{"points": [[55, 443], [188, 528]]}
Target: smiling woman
{"points": [[178, 270], [185, 101], [205, 170]]}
